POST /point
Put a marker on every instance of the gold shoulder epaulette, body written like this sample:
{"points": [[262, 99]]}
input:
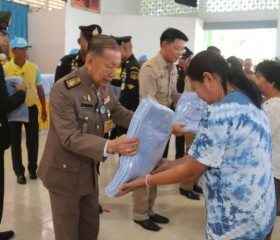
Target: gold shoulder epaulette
{"points": [[72, 82], [151, 62]]}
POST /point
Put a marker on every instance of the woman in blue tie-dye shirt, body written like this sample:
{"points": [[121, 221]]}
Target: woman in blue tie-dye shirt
{"points": [[231, 152]]}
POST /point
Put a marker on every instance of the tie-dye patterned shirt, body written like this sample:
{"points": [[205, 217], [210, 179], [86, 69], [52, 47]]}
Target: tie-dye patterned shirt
{"points": [[234, 141]]}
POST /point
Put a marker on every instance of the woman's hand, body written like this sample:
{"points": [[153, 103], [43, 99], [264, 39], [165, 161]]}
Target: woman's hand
{"points": [[131, 186], [163, 165]]}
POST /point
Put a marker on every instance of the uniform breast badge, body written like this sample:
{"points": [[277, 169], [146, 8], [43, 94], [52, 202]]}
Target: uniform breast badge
{"points": [[134, 73], [123, 86], [108, 126], [123, 78], [106, 99], [130, 86], [86, 101], [102, 109], [174, 75]]}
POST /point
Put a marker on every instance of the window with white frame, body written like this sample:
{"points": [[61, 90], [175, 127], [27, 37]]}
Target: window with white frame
{"points": [[170, 8], [45, 4]]}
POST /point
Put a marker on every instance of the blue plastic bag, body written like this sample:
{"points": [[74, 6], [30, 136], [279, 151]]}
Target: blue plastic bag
{"points": [[21, 113], [189, 111], [151, 123]]}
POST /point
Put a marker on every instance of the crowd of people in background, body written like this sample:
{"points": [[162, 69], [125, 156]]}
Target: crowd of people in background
{"points": [[99, 87]]}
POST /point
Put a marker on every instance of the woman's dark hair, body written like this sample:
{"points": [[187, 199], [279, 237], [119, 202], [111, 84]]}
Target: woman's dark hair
{"points": [[213, 62], [235, 66], [270, 69]]}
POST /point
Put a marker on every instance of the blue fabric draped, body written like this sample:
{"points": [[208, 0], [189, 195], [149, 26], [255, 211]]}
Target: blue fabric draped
{"points": [[21, 113], [18, 27], [151, 123]]}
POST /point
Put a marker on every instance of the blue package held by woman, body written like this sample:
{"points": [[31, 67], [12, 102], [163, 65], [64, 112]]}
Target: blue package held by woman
{"points": [[190, 109]]}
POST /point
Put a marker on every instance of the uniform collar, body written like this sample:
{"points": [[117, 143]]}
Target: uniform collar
{"points": [[131, 57], [79, 57], [15, 65], [86, 79], [163, 63], [17, 70]]}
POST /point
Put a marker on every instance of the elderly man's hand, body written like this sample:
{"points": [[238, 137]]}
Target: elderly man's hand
{"points": [[123, 145]]}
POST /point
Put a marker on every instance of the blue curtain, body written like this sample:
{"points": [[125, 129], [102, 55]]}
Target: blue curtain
{"points": [[18, 27]]}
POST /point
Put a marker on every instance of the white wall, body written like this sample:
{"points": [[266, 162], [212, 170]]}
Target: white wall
{"points": [[200, 37], [277, 53], [75, 17], [46, 35], [120, 7], [54, 33], [146, 31]]}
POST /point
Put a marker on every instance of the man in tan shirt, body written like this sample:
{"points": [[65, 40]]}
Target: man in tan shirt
{"points": [[158, 78]]}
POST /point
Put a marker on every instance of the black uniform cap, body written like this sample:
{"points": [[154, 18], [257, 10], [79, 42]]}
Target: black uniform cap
{"points": [[187, 53], [122, 40], [90, 31], [5, 19]]}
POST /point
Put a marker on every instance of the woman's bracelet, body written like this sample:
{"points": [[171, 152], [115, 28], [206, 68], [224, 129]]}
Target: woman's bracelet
{"points": [[146, 180]]}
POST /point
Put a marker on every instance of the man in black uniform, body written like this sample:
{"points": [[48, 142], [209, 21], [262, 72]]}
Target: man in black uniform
{"points": [[7, 104], [129, 96], [72, 61]]}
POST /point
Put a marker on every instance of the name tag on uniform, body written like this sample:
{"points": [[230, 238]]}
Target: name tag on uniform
{"points": [[108, 126], [86, 105]]}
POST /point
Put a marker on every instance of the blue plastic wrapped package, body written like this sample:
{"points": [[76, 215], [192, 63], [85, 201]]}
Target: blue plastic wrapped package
{"points": [[151, 123], [190, 110], [20, 114]]}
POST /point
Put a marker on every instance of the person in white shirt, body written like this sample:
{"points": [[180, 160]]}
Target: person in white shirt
{"points": [[268, 81]]}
